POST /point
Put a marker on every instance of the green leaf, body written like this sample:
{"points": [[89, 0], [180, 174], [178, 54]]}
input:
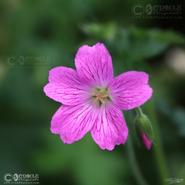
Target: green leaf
{"points": [[135, 44]]}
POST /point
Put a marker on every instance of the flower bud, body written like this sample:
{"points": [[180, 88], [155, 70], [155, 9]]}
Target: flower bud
{"points": [[143, 129]]}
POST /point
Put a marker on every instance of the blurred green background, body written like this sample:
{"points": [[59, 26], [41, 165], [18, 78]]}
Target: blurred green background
{"points": [[36, 35]]}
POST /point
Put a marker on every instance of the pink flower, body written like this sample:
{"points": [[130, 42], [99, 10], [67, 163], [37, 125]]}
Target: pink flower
{"points": [[92, 99], [146, 141]]}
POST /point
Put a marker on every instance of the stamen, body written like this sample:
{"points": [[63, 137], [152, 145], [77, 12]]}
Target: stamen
{"points": [[101, 96]]}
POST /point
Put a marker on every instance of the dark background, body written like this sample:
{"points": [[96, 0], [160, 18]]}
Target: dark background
{"points": [[36, 35]]}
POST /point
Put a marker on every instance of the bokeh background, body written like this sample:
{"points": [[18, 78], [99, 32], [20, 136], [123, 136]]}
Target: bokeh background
{"points": [[36, 35]]}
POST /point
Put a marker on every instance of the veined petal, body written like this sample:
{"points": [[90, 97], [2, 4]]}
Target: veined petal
{"points": [[94, 64], [63, 74], [65, 86], [56, 121], [73, 122], [131, 89], [110, 128]]}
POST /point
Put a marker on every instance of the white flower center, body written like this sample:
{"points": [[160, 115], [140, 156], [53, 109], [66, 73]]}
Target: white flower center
{"points": [[101, 96]]}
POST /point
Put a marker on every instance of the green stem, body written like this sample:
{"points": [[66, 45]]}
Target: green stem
{"points": [[139, 111], [158, 150], [132, 158], [133, 162]]}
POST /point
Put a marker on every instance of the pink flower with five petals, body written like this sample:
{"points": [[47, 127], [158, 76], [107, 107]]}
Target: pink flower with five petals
{"points": [[93, 99]]}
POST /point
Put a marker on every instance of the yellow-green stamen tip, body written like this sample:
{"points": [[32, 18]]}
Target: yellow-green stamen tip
{"points": [[100, 96]]}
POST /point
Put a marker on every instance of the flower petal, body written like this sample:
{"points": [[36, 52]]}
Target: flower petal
{"points": [[131, 89], [94, 64], [65, 86], [72, 122], [56, 121], [62, 74], [146, 141], [110, 128]]}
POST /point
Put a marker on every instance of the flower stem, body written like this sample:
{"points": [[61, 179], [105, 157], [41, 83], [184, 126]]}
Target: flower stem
{"points": [[139, 111], [135, 167], [158, 150], [133, 161]]}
